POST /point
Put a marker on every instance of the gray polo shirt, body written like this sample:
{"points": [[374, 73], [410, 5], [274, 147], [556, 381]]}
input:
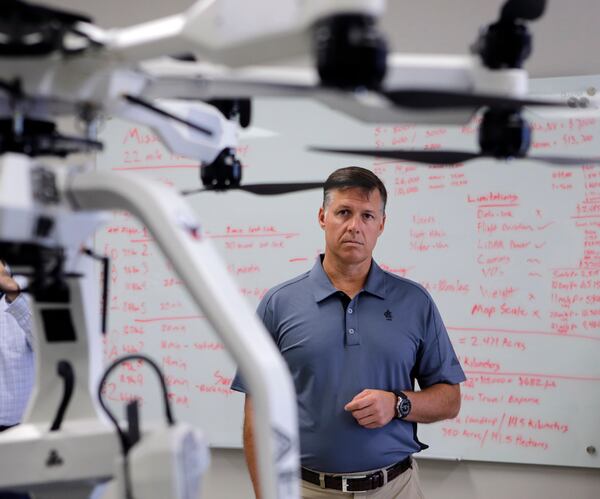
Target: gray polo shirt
{"points": [[390, 334]]}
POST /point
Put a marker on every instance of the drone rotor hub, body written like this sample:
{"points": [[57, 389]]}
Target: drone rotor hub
{"points": [[504, 45], [504, 134], [350, 52], [225, 172]]}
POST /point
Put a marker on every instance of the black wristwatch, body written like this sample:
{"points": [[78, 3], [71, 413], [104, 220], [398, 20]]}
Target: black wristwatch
{"points": [[403, 405]]}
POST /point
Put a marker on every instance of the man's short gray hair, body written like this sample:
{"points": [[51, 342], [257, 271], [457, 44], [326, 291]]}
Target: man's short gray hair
{"points": [[353, 177]]}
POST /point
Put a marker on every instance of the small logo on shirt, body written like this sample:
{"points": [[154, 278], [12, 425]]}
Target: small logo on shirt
{"points": [[388, 315]]}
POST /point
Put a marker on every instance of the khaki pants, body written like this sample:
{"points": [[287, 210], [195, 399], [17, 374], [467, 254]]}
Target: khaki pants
{"points": [[405, 486]]}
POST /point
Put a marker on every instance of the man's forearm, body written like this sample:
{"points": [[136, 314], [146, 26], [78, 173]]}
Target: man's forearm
{"points": [[249, 446], [434, 403]]}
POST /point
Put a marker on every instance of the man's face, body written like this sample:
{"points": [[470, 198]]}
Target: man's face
{"points": [[352, 222]]}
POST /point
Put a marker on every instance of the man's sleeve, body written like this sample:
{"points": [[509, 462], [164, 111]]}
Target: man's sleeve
{"points": [[437, 361], [21, 311], [265, 314]]}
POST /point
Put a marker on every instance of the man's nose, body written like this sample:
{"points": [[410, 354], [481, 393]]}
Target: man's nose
{"points": [[354, 224]]}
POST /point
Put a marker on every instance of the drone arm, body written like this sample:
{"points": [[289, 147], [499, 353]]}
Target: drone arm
{"points": [[193, 80], [170, 78], [461, 74], [179, 138], [448, 72], [235, 33], [149, 39], [199, 266], [451, 73]]}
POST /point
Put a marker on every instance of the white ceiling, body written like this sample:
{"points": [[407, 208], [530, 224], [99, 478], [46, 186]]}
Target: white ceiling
{"points": [[566, 40]]}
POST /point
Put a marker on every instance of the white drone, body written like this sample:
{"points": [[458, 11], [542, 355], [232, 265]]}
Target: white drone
{"points": [[387, 88], [57, 64]]}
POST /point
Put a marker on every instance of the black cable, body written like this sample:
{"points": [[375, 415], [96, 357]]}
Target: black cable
{"points": [[106, 267], [110, 369], [126, 444], [66, 372]]}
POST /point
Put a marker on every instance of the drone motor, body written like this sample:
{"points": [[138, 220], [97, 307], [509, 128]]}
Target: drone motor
{"points": [[225, 172], [350, 52], [34, 30], [506, 44], [504, 134]]}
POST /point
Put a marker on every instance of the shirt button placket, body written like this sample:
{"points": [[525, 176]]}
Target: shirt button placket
{"points": [[352, 337]]}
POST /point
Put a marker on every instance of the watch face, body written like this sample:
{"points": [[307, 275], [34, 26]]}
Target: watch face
{"points": [[403, 407]]}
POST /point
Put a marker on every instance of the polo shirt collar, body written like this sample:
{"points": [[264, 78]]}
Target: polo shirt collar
{"points": [[375, 281], [322, 287]]}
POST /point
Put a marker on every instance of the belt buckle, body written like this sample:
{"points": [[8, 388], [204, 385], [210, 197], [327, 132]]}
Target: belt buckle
{"points": [[345, 482]]}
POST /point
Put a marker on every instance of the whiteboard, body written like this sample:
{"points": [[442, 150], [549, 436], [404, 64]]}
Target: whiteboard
{"points": [[510, 252]]}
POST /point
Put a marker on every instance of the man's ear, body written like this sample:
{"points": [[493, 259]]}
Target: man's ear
{"points": [[382, 226], [321, 217]]}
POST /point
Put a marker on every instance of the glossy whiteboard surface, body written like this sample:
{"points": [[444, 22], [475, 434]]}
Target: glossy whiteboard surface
{"points": [[510, 251]]}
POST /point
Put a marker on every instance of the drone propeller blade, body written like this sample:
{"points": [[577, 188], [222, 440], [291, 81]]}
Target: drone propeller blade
{"points": [[565, 160], [436, 99], [272, 189], [264, 189], [528, 10], [148, 105], [430, 157], [35, 13], [453, 157]]}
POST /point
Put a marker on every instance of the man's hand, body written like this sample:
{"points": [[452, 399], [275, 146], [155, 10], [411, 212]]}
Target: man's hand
{"points": [[373, 408], [8, 285]]}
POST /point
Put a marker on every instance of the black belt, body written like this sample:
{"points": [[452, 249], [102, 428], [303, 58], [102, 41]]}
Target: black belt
{"points": [[357, 483], [3, 427]]}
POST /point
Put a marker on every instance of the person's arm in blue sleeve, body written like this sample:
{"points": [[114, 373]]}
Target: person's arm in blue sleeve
{"points": [[439, 374]]}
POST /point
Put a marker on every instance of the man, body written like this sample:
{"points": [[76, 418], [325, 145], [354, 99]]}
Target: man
{"points": [[16, 354], [355, 339]]}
